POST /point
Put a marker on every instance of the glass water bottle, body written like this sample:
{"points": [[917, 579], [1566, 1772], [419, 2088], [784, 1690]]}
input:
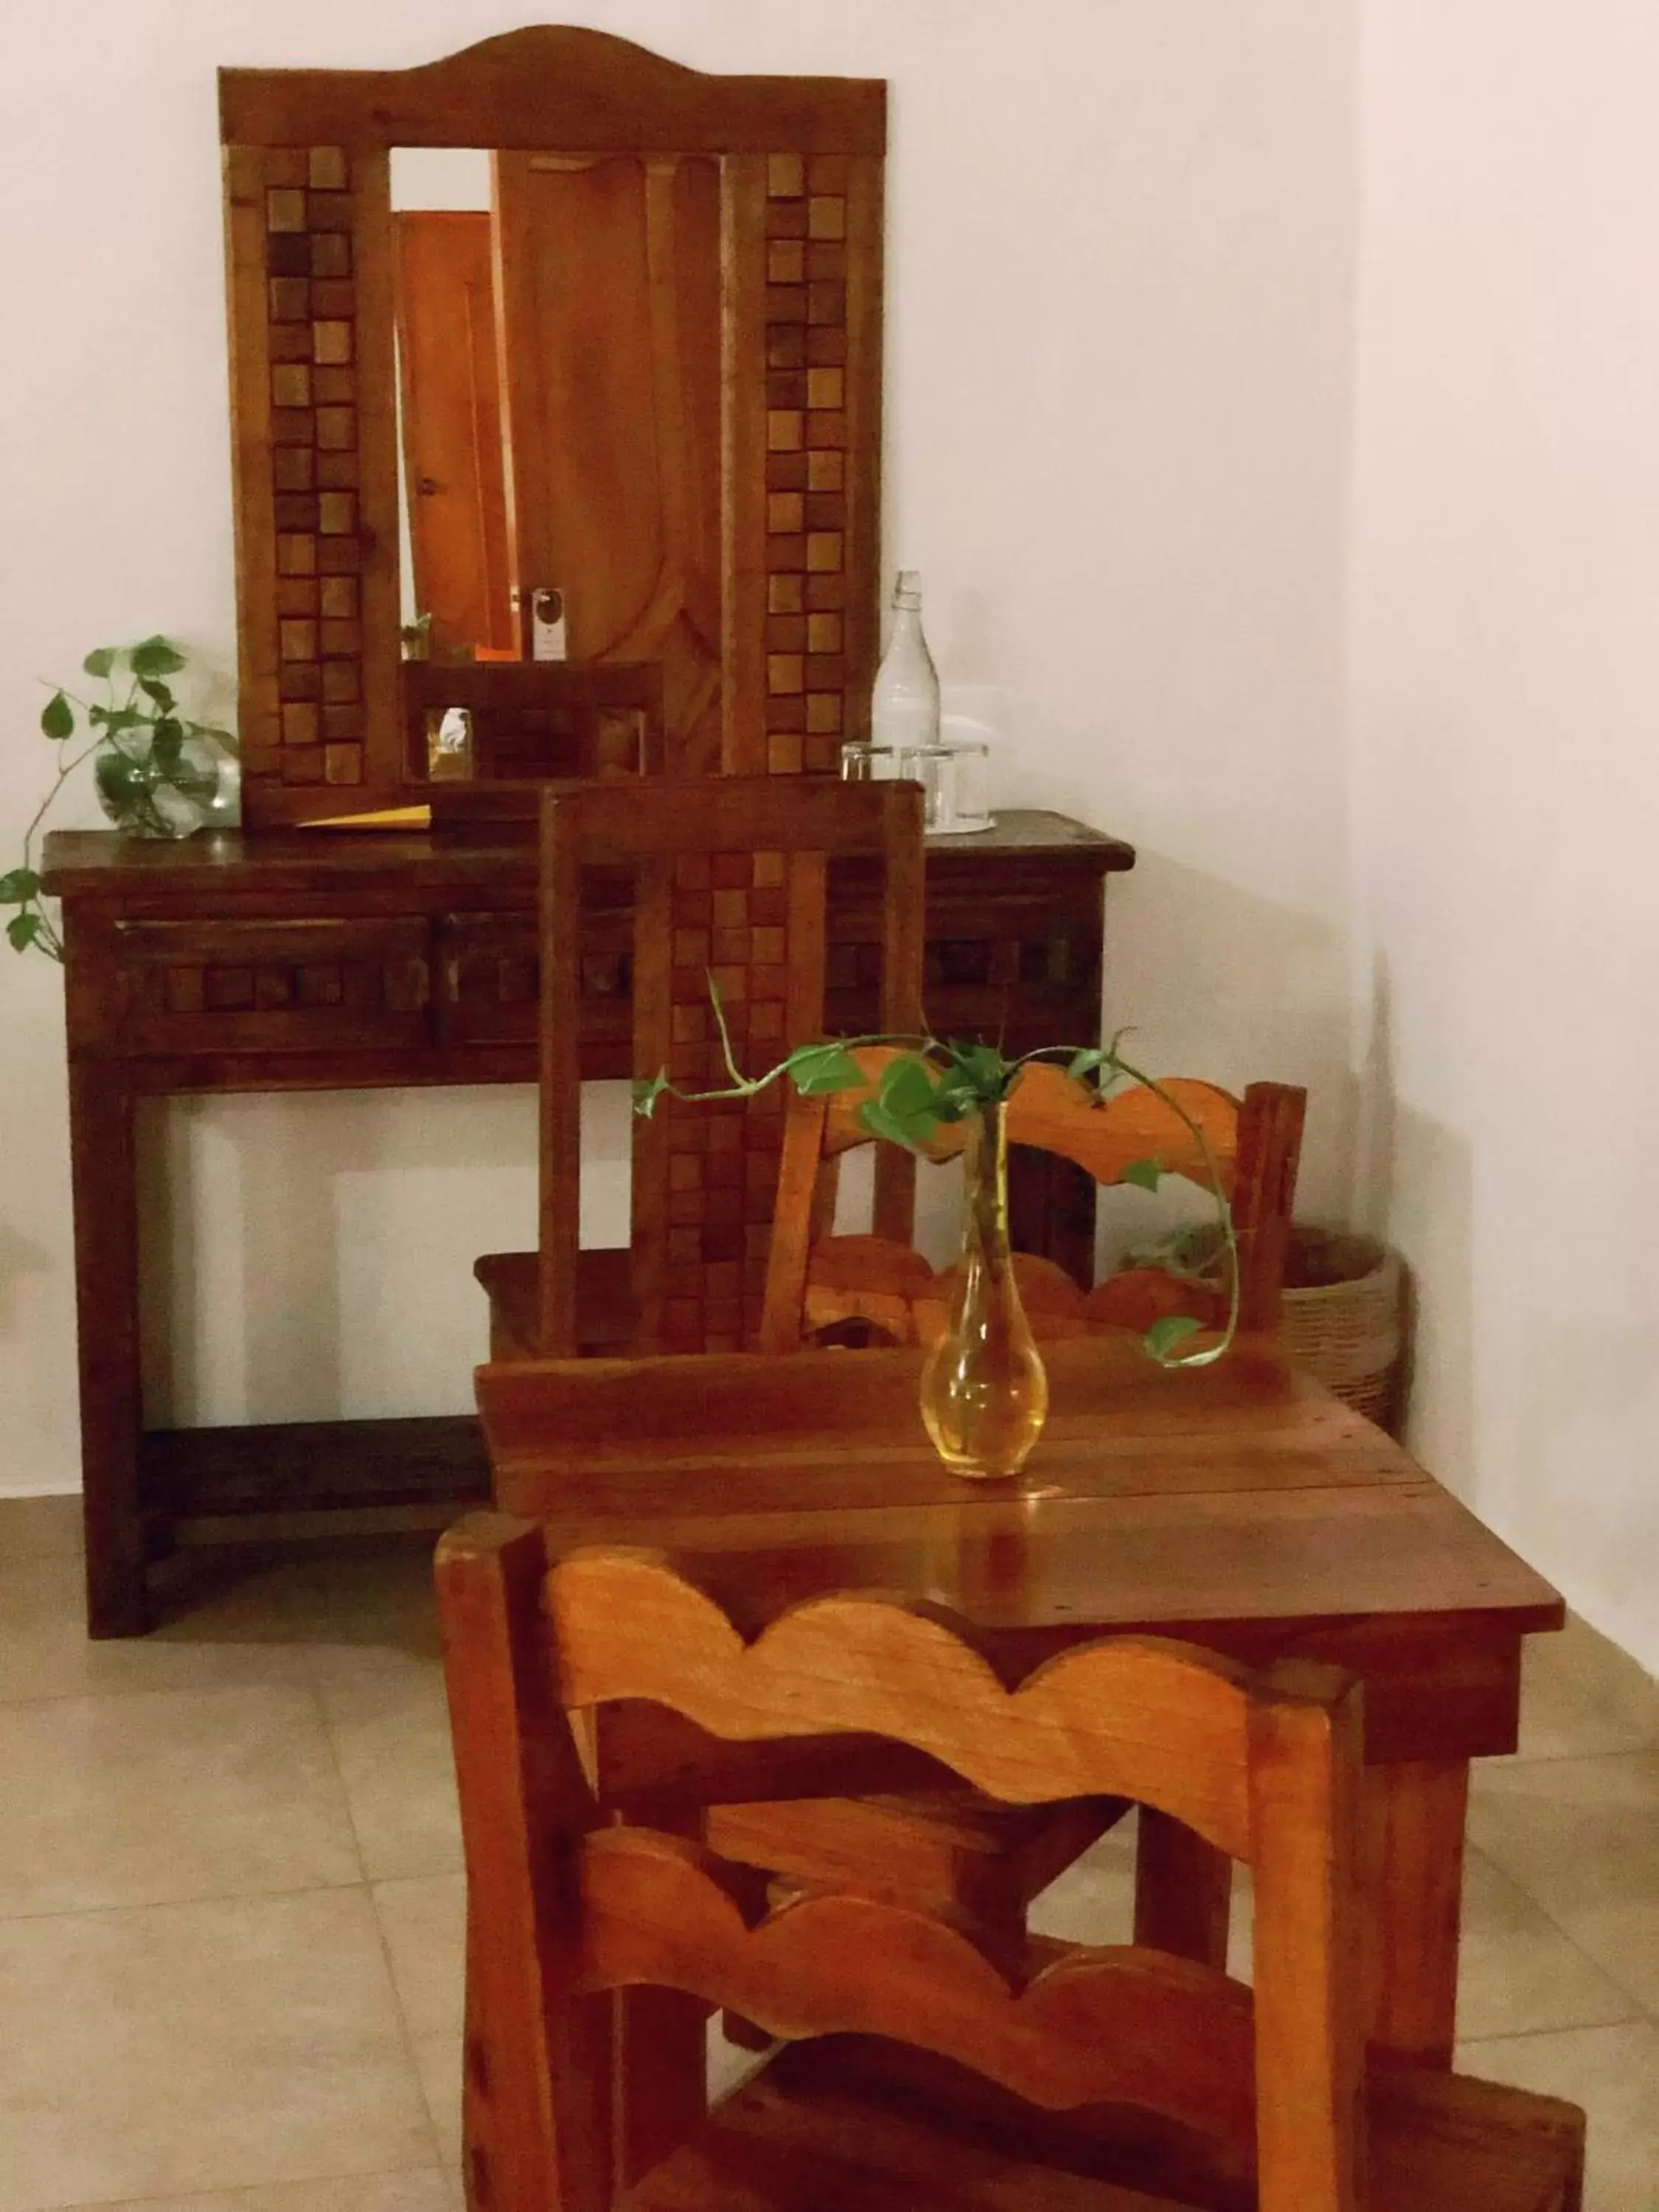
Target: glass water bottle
{"points": [[904, 706]]}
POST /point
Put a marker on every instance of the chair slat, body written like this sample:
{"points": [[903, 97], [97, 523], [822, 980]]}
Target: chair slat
{"points": [[1120, 2023], [1134, 1718], [816, 1284], [1049, 1111]]}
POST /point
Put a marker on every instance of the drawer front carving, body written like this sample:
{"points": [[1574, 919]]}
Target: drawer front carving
{"points": [[319, 985], [1033, 978], [490, 976]]}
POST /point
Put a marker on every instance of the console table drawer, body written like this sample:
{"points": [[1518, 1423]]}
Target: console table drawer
{"points": [[490, 979], [317, 985]]}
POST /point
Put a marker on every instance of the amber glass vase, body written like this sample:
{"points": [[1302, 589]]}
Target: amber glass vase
{"points": [[984, 1391]]}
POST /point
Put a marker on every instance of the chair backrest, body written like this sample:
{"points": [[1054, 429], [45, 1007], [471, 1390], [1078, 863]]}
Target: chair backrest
{"points": [[529, 720], [565, 1905], [1253, 1146], [730, 878]]}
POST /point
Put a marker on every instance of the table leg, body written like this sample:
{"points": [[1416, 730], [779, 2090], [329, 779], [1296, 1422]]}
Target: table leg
{"points": [[1417, 1813], [1184, 1891], [660, 2065], [661, 2076], [104, 1174]]}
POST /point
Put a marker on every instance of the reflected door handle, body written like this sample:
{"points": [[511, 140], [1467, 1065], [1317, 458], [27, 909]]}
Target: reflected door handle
{"points": [[427, 485]]}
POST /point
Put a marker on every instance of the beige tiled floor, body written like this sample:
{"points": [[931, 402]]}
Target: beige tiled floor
{"points": [[231, 1902]]}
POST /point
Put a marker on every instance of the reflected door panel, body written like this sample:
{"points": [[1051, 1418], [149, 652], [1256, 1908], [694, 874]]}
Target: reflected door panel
{"points": [[450, 396], [608, 290]]}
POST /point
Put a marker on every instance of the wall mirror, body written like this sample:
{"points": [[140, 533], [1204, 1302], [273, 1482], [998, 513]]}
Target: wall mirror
{"points": [[555, 377]]}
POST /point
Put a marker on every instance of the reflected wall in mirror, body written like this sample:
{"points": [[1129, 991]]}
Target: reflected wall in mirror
{"points": [[556, 366]]}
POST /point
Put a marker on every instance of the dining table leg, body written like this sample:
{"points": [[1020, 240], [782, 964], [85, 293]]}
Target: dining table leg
{"points": [[1419, 1812], [1184, 1891], [660, 2078]]}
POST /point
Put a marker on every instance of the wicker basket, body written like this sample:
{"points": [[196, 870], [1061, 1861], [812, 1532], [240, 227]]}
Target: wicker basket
{"points": [[1342, 1318], [1343, 1313]]}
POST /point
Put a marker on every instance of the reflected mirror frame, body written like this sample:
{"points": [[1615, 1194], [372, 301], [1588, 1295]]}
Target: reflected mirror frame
{"points": [[309, 237]]}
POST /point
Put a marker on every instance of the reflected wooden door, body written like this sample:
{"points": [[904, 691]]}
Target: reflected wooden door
{"points": [[450, 392], [609, 290]]}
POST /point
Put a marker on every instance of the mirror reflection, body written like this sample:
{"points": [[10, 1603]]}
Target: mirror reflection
{"points": [[558, 327]]}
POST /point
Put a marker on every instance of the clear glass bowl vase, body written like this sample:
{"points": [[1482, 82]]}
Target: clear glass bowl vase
{"points": [[167, 789]]}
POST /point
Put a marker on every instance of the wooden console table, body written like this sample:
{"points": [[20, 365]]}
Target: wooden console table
{"points": [[341, 961]]}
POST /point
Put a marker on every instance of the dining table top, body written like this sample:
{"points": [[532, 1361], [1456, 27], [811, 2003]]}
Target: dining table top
{"points": [[1239, 1504]]}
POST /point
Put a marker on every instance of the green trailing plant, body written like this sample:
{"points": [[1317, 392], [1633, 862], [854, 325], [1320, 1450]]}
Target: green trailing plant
{"points": [[934, 1082], [137, 743]]}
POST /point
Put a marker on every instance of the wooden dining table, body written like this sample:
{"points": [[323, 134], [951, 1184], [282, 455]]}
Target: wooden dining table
{"points": [[1238, 1506]]}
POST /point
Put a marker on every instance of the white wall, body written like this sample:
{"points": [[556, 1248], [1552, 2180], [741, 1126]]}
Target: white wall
{"points": [[1505, 660], [1120, 236]]}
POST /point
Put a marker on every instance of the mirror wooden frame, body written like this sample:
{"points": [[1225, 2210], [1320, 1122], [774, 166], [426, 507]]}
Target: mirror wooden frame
{"points": [[309, 284]]}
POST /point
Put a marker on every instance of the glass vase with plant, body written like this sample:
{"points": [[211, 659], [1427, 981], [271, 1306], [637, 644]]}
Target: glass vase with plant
{"points": [[984, 1392], [157, 773]]}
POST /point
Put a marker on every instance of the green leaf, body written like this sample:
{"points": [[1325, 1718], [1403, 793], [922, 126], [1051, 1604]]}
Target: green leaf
{"points": [[57, 717], [1085, 1063], [905, 1108], [122, 780], [907, 1086], [112, 720], [165, 748], [100, 661], [983, 1067], [158, 692], [817, 1068], [1163, 1337], [647, 1088], [155, 656], [21, 884], [23, 929], [880, 1123], [1146, 1175], [956, 1098]]}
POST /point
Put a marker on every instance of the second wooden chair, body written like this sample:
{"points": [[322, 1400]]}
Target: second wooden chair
{"points": [[819, 1282], [728, 877]]}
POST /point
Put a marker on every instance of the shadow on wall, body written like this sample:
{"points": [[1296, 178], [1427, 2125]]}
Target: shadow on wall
{"points": [[24, 1263], [310, 1258], [1219, 982], [1577, 1493], [1411, 1184]]}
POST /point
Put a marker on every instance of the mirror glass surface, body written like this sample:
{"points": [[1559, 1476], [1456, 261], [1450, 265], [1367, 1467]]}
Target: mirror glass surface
{"points": [[558, 321]]}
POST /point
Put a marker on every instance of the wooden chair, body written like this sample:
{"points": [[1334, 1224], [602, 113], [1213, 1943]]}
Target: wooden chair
{"points": [[706, 1178], [728, 881], [923, 2070], [819, 1283]]}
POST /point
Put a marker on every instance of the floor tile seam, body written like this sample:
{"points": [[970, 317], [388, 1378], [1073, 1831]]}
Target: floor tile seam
{"points": [[180, 1903], [1608, 1973], [1536, 2034], [1642, 2010], [291, 1680], [239, 2188], [1503, 1761], [320, 1706], [405, 2033]]}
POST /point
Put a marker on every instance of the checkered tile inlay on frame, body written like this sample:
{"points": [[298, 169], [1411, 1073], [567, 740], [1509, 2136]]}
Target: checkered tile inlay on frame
{"points": [[311, 343], [730, 920], [806, 459]]}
